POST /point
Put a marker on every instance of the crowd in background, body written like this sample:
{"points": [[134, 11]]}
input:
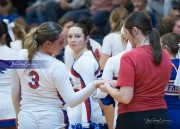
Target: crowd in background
{"points": [[35, 12]]}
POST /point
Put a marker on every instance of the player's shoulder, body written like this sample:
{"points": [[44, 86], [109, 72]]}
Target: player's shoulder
{"points": [[22, 54], [116, 57], [87, 56], [111, 38], [113, 34], [94, 43], [58, 64], [57, 67], [8, 50], [85, 59]]}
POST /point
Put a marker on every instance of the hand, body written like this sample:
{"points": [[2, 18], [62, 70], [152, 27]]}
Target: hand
{"points": [[105, 87], [97, 83], [64, 5]]}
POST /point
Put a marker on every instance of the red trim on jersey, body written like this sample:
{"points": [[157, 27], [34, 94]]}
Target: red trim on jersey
{"points": [[87, 102], [170, 83], [97, 71], [170, 92], [61, 99], [76, 90], [73, 72]]}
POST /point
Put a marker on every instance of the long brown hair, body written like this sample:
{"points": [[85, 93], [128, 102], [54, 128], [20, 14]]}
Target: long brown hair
{"points": [[142, 21]]}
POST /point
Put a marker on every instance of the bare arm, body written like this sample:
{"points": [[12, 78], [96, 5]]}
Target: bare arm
{"points": [[103, 60], [123, 95]]}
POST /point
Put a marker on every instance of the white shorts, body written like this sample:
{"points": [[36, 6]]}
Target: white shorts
{"points": [[46, 119]]}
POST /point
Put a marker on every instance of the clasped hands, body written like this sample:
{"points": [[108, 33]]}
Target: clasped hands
{"points": [[104, 85]]}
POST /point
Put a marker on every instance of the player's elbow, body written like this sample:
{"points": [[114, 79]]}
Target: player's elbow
{"points": [[71, 104], [126, 99], [126, 95]]}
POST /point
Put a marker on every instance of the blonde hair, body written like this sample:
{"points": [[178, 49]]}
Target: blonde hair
{"points": [[118, 15], [20, 29], [48, 31]]}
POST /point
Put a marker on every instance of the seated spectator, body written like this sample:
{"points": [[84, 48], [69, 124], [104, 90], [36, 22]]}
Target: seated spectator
{"points": [[140, 5], [20, 6], [175, 12], [59, 7], [35, 13], [126, 4], [6, 11], [99, 12], [161, 8]]}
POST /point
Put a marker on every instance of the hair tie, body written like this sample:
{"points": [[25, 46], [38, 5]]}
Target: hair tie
{"points": [[120, 20], [36, 31]]}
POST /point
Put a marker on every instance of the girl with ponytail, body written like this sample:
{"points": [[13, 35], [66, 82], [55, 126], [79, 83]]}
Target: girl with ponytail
{"points": [[112, 45], [140, 88], [39, 94], [84, 70]]}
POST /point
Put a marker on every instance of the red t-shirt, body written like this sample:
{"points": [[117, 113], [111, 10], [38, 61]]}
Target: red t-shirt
{"points": [[148, 80]]}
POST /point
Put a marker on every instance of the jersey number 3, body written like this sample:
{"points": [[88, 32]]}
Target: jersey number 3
{"points": [[35, 79]]}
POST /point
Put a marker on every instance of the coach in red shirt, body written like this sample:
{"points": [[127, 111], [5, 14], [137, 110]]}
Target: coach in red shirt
{"points": [[142, 78]]}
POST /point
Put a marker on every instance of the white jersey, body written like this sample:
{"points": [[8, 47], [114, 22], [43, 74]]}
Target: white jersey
{"points": [[85, 70], [6, 107], [16, 45], [45, 88], [112, 65], [69, 55], [112, 44], [111, 70]]}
